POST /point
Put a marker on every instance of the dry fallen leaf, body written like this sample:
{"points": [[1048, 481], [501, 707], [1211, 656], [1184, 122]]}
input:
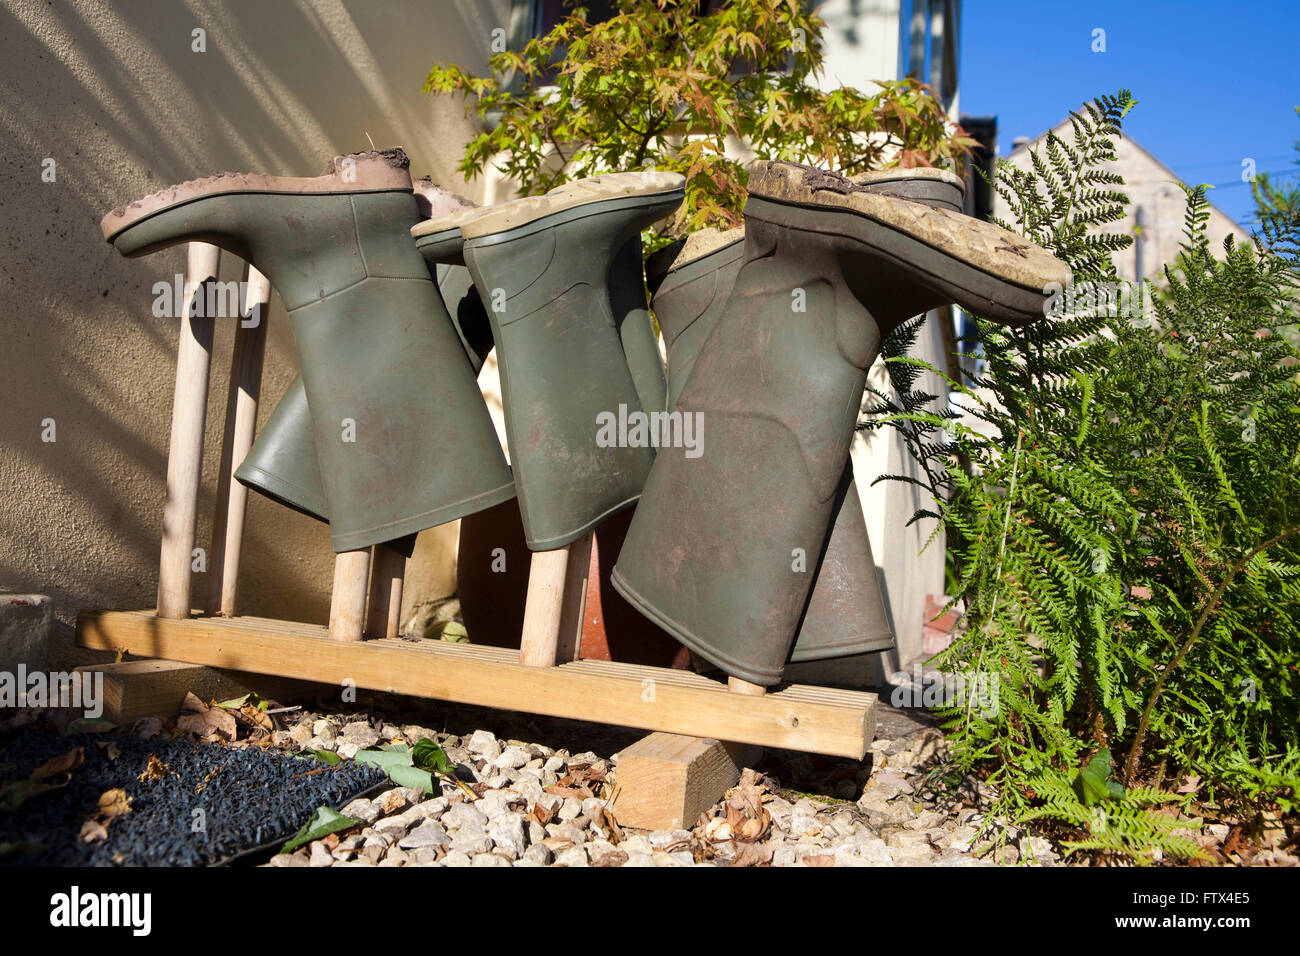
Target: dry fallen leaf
{"points": [[92, 831], [109, 748], [753, 854], [147, 727], [155, 770], [203, 721], [606, 819], [208, 778], [255, 717], [66, 763], [113, 804]]}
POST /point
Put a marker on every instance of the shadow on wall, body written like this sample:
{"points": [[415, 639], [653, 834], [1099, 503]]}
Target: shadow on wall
{"points": [[121, 101]]}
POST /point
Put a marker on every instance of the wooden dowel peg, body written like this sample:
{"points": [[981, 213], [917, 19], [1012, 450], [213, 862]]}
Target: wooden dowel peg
{"points": [[348, 599], [241, 422], [543, 608], [185, 452], [387, 576]]}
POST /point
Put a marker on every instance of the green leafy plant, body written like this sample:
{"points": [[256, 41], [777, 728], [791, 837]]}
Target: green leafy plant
{"points": [[420, 766], [1125, 521], [322, 823], [661, 85]]}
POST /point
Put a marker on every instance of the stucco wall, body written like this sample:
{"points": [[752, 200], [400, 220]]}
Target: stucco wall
{"points": [[115, 95]]}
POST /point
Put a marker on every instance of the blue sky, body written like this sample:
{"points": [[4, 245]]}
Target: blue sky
{"points": [[1215, 82]]}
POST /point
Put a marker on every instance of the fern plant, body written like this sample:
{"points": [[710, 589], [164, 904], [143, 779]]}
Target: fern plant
{"points": [[1125, 524]]}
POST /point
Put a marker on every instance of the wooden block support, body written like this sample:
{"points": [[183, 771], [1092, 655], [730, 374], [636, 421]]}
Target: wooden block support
{"points": [[348, 597], [241, 423], [665, 781], [135, 689], [153, 688], [815, 719], [185, 452], [387, 577]]}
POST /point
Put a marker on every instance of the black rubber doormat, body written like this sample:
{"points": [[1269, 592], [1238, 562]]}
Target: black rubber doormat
{"points": [[190, 804]]}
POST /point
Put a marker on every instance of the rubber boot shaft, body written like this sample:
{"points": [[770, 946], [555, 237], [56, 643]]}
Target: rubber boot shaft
{"points": [[846, 611], [282, 463]]}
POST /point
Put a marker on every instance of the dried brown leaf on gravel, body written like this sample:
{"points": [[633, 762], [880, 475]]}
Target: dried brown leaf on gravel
{"points": [[112, 804], [753, 854], [581, 781]]}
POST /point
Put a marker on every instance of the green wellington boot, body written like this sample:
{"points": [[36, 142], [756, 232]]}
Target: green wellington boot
{"points": [[544, 265], [282, 463], [722, 545], [368, 324], [691, 281]]}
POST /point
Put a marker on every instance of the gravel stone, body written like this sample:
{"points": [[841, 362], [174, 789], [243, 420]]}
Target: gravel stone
{"points": [[538, 853], [427, 834], [464, 815], [320, 855], [571, 856], [363, 810], [471, 842], [662, 838], [300, 733], [484, 744], [360, 733], [507, 832], [512, 758]]}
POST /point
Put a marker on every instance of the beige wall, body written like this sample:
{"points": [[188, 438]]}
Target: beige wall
{"points": [[113, 93]]}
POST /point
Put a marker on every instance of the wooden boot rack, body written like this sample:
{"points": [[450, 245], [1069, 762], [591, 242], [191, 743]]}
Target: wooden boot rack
{"points": [[663, 781]]}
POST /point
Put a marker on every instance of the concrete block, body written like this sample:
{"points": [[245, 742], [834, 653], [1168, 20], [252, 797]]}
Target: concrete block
{"points": [[25, 622]]}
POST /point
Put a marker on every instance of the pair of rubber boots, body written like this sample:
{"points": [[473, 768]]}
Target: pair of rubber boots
{"points": [[387, 371], [400, 435], [750, 549]]}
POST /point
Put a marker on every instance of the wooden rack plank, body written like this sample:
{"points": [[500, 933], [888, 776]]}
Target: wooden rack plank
{"points": [[817, 720]]}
